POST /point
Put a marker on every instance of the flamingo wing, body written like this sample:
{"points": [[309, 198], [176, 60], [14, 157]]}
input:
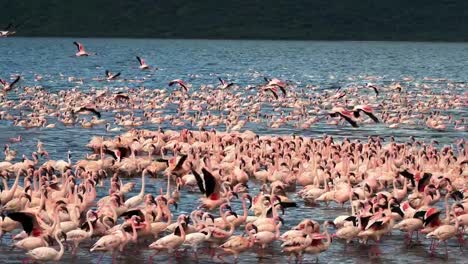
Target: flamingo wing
{"points": [[424, 181], [283, 90], [27, 220], [116, 75], [200, 182], [15, 81], [78, 45], [180, 162], [210, 182], [94, 111], [221, 81], [372, 116], [349, 120], [183, 86], [131, 213], [375, 90], [140, 60], [273, 92]]}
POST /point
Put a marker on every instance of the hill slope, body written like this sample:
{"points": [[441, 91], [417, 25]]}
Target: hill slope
{"points": [[269, 19]]}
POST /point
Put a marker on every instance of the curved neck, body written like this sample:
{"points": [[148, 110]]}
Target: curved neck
{"points": [[277, 233], [168, 188], [90, 232], [182, 231], [244, 207], [135, 235], [169, 215], [223, 215], [447, 209], [142, 191], [60, 253], [13, 188], [328, 241]]}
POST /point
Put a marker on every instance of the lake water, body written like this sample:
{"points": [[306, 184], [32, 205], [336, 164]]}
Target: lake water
{"points": [[317, 63]]}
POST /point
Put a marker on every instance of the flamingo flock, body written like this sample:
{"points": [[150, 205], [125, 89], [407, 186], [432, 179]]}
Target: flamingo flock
{"points": [[246, 183]]}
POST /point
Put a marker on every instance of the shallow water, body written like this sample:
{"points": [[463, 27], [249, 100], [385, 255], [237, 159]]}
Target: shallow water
{"points": [[245, 62]]}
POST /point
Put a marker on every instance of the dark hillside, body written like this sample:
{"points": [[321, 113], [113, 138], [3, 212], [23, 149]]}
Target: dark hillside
{"points": [[445, 20]]}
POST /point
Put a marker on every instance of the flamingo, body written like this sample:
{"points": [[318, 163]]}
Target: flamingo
{"points": [[48, 253], [110, 76], [224, 84], [78, 235], [143, 65], [138, 199], [9, 86], [173, 241], [195, 239], [238, 244], [81, 50], [345, 114], [443, 233], [180, 83], [366, 109]]}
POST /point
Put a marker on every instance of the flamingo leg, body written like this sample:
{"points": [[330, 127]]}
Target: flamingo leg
{"points": [[150, 260], [300, 258], [113, 257], [100, 258], [461, 241], [446, 249], [435, 244], [221, 257]]}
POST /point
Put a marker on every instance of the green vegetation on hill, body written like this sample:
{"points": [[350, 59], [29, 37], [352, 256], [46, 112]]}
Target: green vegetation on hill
{"points": [[445, 20]]}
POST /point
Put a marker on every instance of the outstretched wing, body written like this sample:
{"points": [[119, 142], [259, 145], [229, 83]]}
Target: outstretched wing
{"points": [[15, 81], [349, 120], [200, 182], [27, 220], [139, 60], [210, 182]]}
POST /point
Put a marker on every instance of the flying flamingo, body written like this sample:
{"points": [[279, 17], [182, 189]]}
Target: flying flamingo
{"points": [[81, 50], [143, 65], [9, 86], [110, 76], [180, 83], [367, 109], [278, 83], [224, 84], [345, 114]]}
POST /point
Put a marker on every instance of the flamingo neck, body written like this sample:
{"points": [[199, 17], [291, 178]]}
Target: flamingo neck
{"points": [[62, 250], [90, 232], [142, 191]]}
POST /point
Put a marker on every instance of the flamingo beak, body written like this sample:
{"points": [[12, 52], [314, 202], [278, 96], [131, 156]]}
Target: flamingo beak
{"points": [[255, 228], [281, 220], [234, 214], [64, 236]]}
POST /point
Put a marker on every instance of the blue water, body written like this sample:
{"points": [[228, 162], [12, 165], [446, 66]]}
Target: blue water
{"points": [[318, 63]]}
